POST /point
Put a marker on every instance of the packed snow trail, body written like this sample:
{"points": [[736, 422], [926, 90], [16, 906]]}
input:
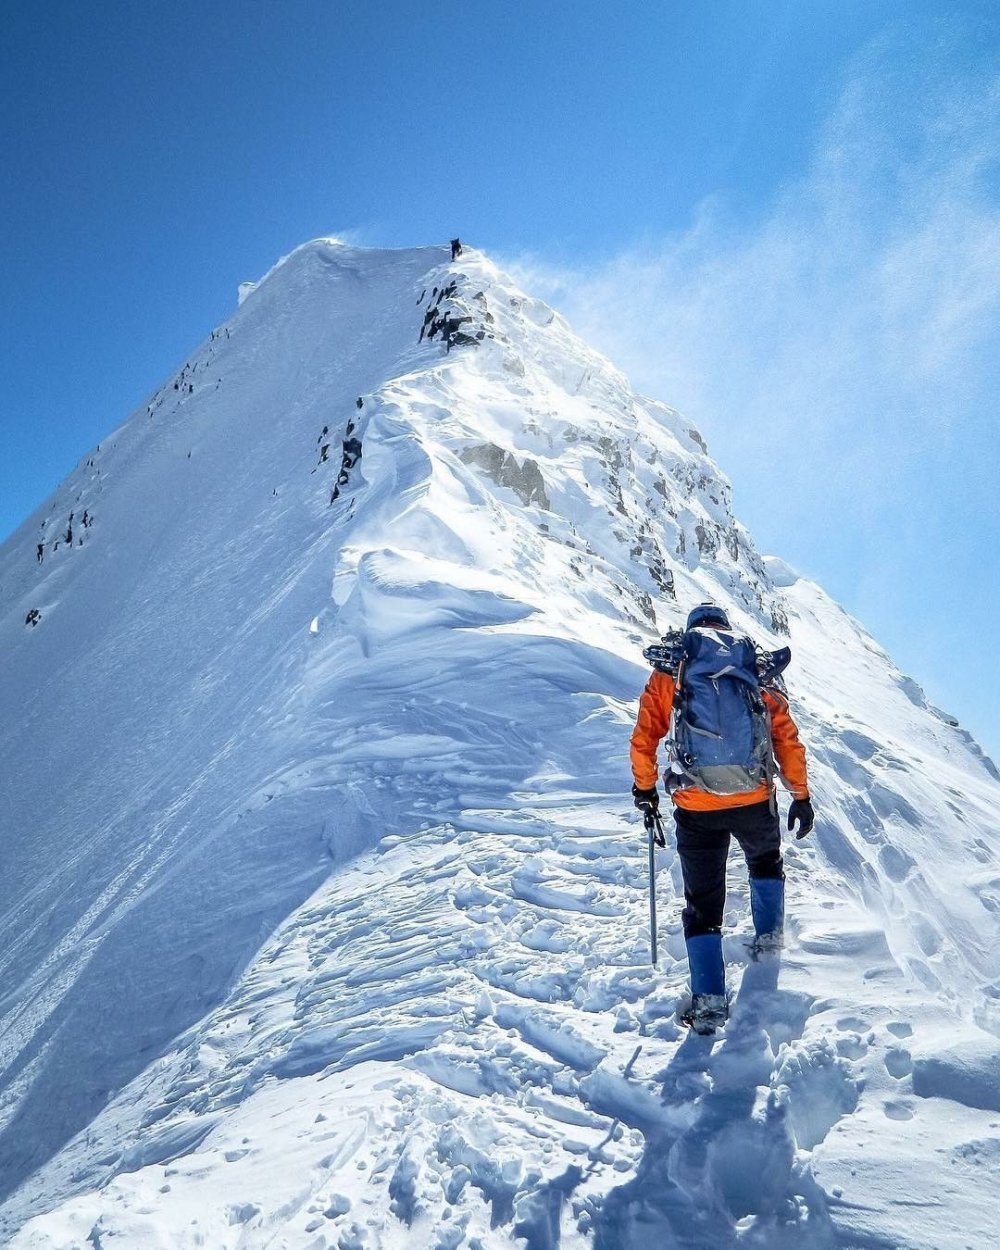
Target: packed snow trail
{"points": [[461, 1038], [333, 901]]}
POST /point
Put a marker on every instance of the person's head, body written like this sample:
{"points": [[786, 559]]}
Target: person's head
{"points": [[708, 614]]}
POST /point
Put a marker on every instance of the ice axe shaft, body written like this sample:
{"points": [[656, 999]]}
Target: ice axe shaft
{"points": [[654, 827]]}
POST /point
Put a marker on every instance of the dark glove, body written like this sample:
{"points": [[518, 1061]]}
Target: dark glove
{"points": [[647, 801], [801, 810]]}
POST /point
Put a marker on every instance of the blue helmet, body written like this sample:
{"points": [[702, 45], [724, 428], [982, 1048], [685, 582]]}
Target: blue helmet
{"points": [[708, 614]]}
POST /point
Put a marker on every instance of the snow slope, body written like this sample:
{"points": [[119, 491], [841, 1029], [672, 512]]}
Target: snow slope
{"points": [[324, 914]]}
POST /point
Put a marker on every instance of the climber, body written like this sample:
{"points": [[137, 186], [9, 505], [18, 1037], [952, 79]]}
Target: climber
{"points": [[456, 249], [719, 788]]}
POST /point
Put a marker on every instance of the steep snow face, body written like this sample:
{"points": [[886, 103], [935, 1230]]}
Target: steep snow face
{"points": [[150, 822], [322, 879]]}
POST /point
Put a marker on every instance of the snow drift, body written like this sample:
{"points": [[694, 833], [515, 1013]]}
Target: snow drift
{"points": [[323, 914]]}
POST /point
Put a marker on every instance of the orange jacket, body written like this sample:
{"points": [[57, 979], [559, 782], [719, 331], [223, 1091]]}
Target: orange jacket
{"points": [[653, 725]]}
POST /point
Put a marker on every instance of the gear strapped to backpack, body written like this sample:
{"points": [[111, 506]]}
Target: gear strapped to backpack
{"points": [[720, 732]]}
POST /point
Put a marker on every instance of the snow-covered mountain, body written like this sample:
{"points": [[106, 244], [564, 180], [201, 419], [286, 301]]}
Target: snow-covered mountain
{"points": [[323, 913]]}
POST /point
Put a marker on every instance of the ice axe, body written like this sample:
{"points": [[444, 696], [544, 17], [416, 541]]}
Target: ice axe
{"points": [[654, 827]]}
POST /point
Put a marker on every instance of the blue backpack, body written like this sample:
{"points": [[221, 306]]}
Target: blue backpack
{"points": [[720, 733]]}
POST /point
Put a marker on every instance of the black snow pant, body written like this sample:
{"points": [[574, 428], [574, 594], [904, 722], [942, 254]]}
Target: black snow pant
{"points": [[703, 847]]}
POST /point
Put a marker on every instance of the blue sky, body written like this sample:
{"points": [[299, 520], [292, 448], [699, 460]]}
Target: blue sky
{"points": [[781, 217]]}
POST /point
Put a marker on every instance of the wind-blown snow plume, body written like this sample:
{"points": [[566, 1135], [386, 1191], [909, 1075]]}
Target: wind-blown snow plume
{"points": [[324, 916]]}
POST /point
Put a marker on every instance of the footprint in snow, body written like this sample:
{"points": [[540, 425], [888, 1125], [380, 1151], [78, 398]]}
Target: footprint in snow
{"points": [[781, 1014], [819, 1089], [898, 1063], [852, 1047]]}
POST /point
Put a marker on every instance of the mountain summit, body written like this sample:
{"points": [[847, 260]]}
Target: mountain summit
{"points": [[323, 912]]}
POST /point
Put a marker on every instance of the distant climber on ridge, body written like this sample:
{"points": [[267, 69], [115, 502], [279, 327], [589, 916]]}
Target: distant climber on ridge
{"points": [[727, 724], [456, 249]]}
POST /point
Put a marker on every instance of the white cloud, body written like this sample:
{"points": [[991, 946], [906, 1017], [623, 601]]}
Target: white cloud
{"points": [[853, 323], [842, 355]]}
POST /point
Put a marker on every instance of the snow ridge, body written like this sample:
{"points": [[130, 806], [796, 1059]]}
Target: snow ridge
{"points": [[326, 887]]}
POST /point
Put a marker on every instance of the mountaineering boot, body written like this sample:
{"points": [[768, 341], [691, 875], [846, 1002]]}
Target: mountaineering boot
{"points": [[767, 906], [709, 1008]]}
